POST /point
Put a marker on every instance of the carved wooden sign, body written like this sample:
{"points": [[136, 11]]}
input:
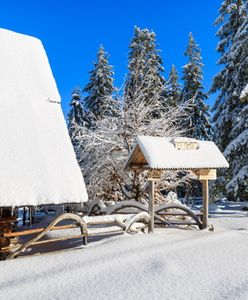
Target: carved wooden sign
{"points": [[186, 145]]}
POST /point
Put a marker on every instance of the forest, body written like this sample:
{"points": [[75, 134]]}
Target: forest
{"points": [[104, 120]]}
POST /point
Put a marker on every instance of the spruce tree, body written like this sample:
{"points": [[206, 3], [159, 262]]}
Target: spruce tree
{"points": [[198, 115], [99, 101], [173, 89], [77, 117], [231, 106], [145, 68]]}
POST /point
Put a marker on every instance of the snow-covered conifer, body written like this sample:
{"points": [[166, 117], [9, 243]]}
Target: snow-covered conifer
{"points": [[100, 88], [198, 120], [173, 89], [231, 106], [145, 68], [77, 116]]}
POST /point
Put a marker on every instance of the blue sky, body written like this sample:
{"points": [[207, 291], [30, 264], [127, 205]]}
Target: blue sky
{"points": [[72, 31]]}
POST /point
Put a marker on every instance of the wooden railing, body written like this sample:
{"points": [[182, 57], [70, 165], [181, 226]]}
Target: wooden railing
{"points": [[116, 224]]}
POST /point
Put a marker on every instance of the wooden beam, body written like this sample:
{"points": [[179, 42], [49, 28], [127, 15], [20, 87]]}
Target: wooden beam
{"points": [[203, 174], [207, 174], [142, 167], [38, 230], [151, 205], [154, 174], [205, 203]]}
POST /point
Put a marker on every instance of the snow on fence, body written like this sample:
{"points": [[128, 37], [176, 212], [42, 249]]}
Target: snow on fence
{"points": [[117, 224]]}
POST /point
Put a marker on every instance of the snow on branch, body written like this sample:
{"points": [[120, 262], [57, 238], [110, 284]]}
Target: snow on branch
{"points": [[103, 150]]}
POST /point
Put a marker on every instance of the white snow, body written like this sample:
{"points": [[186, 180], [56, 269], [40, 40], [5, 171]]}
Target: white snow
{"points": [[161, 153], [38, 164], [170, 264], [244, 92]]}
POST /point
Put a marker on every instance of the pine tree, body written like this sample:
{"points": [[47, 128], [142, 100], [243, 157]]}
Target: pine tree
{"points": [[173, 89], [198, 121], [77, 117], [145, 67], [231, 106], [98, 102]]}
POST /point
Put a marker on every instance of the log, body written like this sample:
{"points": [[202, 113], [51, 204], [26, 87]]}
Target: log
{"points": [[142, 216], [106, 219]]}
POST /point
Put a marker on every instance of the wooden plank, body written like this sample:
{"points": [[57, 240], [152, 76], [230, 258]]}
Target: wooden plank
{"points": [[205, 203], [105, 233], [181, 222], [138, 157], [207, 174], [38, 230], [177, 214], [141, 167], [9, 219]]}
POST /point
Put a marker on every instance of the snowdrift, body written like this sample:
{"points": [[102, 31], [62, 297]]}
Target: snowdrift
{"points": [[37, 161], [170, 264]]}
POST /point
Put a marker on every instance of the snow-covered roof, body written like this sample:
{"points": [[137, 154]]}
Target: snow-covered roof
{"points": [[37, 161], [178, 153]]}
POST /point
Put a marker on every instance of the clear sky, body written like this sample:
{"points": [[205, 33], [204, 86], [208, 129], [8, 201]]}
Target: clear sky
{"points": [[72, 30]]}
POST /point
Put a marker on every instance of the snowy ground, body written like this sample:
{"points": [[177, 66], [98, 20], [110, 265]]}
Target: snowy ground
{"points": [[170, 264]]}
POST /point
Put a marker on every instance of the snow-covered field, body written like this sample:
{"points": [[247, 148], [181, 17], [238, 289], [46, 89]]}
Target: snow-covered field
{"points": [[170, 264]]}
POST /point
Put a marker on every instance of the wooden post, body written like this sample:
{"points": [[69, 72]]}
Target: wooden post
{"points": [[151, 205], [205, 203]]}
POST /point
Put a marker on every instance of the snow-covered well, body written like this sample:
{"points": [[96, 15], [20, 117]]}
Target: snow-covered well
{"points": [[37, 161]]}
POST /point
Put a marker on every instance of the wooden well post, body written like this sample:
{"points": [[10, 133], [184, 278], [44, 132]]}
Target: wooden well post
{"points": [[205, 175], [205, 203], [153, 176], [151, 205]]}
